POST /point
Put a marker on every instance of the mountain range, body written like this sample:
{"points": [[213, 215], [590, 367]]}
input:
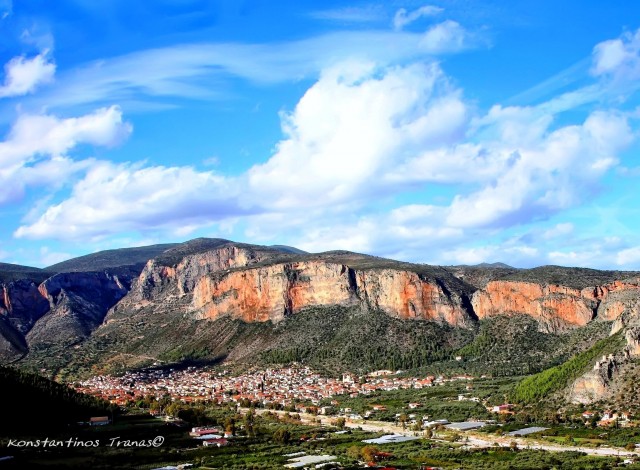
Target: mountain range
{"points": [[214, 300]]}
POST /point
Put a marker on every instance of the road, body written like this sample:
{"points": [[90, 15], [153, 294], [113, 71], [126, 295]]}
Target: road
{"points": [[471, 439]]}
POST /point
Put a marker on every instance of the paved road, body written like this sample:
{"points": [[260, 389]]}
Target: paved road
{"points": [[471, 439]]}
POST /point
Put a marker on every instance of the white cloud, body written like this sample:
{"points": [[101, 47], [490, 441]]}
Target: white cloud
{"points": [[354, 125], [524, 252], [558, 230], [6, 7], [211, 161], [24, 75], [38, 35], [402, 17], [355, 237], [411, 232], [44, 134], [629, 256], [471, 255], [618, 58], [117, 198], [615, 64], [445, 37], [515, 165], [574, 258], [34, 152], [543, 177], [50, 173], [363, 133], [202, 70]]}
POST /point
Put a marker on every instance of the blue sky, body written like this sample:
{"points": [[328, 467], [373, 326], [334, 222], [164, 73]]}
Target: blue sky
{"points": [[448, 132]]}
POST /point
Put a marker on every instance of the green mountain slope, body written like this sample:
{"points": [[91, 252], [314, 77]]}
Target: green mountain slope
{"points": [[12, 272], [101, 260], [543, 384]]}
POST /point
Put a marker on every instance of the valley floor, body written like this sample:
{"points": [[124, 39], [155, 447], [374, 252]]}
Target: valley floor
{"points": [[469, 440]]}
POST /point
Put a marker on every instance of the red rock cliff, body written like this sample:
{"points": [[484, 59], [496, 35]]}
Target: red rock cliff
{"points": [[556, 307], [270, 293], [190, 269]]}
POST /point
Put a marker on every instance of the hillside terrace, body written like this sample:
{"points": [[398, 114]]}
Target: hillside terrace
{"points": [[282, 386]]}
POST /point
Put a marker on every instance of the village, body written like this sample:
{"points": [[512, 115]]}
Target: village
{"points": [[297, 394], [281, 386], [296, 387]]}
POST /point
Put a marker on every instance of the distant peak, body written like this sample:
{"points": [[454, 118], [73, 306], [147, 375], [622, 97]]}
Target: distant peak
{"points": [[494, 265], [289, 249]]}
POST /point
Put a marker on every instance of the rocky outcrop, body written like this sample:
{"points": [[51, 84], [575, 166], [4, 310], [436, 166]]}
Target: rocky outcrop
{"points": [[272, 292], [556, 307], [183, 276], [63, 309], [22, 304], [597, 383], [615, 299], [594, 385], [78, 303], [249, 283], [408, 295], [101, 288], [632, 337]]}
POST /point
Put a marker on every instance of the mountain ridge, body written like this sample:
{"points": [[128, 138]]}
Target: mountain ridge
{"points": [[222, 300], [110, 259]]}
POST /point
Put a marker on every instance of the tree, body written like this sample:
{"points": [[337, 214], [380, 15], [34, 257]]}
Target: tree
{"points": [[230, 426], [282, 436], [249, 420], [369, 453], [354, 452], [403, 418], [173, 409], [340, 423]]}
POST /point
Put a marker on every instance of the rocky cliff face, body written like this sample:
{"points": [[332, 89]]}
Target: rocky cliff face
{"points": [[556, 307], [63, 309], [594, 385], [597, 383], [251, 284], [182, 277], [12, 343], [244, 284], [78, 303], [272, 292], [406, 295], [22, 304], [100, 287]]}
